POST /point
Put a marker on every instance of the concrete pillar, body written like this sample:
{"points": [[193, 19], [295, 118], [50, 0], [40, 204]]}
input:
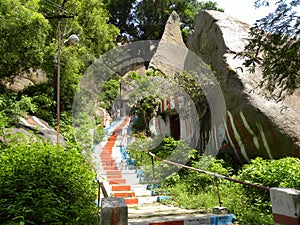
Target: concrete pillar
{"points": [[114, 211], [285, 206]]}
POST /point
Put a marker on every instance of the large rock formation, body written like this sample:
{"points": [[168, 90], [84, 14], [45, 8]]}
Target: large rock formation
{"points": [[35, 130], [255, 126], [252, 125], [24, 80], [171, 49]]}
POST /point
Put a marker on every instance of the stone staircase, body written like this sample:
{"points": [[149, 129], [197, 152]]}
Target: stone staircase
{"points": [[121, 180], [119, 177]]}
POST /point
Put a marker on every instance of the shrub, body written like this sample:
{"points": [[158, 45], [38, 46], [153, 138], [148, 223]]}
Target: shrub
{"points": [[252, 206], [192, 189], [45, 184], [196, 181]]}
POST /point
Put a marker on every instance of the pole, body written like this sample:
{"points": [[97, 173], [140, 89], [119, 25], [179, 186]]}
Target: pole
{"points": [[219, 195], [58, 79], [99, 187], [153, 173]]}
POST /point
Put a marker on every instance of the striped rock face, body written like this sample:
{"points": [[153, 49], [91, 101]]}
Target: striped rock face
{"points": [[254, 125], [251, 138]]}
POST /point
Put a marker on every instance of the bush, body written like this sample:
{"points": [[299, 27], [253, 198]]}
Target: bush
{"points": [[191, 189], [196, 181], [45, 184], [166, 148], [252, 206]]}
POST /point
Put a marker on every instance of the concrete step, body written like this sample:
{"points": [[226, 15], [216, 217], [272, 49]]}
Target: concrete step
{"points": [[147, 200], [131, 201], [126, 171], [141, 192], [154, 214], [110, 168], [113, 172], [120, 194], [120, 187], [114, 177], [117, 181]]}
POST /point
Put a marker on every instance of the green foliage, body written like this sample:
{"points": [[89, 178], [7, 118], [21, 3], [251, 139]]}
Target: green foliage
{"points": [[157, 13], [145, 20], [196, 181], [192, 189], [274, 44], [273, 173], [28, 42], [109, 92], [164, 148], [23, 35], [145, 109], [45, 184], [12, 106], [121, 15], [203, 201], [145, 99], [84, 125], [270, 173], [43, 96]]}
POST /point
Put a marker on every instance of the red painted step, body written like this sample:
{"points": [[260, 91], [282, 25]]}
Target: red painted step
{"points": [[107, 159], [121, 194], [121, 188], [115, 177], [113, 172], [110, 168], [117, 181], [131, 201]]}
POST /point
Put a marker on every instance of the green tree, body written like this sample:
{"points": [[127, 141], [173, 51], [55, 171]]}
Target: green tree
{"points": [[274, 46], [42, 184], [96, 37], [29, 41], [23, 36], [13, 106], [121, 15], [109, 92], [145, 20], [152, 15]]}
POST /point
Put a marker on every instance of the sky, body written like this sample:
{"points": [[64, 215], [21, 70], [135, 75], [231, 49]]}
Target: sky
{"points": [[244, 10]]}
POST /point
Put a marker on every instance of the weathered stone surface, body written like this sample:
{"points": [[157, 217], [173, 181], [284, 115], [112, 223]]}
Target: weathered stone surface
{"points": [[35, 130], [171, 49], [255, 126], [24, 80], [114, 211]]}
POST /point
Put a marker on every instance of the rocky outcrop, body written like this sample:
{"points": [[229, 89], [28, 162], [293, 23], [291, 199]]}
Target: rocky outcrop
{"points": [[171, 48], [35, 130], [242, 121], [24, 80], [255, 125]]}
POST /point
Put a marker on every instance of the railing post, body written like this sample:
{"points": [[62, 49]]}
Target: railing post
{"points": [[114, 211], [285, 206]]}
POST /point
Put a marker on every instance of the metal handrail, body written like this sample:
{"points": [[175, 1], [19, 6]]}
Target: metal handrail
{"points": [[209, 173], [217, 176]]}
